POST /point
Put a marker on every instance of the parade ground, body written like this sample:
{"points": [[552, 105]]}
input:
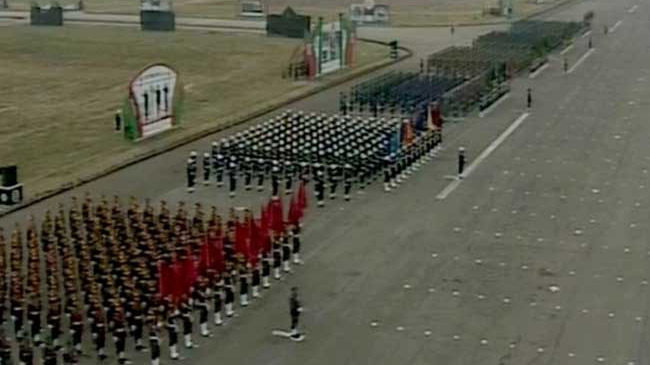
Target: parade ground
{"points": [[403, 13], [69, 82], [538, 255]]}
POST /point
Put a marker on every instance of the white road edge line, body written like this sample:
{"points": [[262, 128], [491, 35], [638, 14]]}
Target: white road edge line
{"points": [[564, 51], [633, 9], [486, 152], [587, 34], [581, 60], [538, 71], [493, 106], [618, 23]]}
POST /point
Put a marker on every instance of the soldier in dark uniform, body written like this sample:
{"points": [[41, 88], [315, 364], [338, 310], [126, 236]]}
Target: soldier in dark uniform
{"points": [[119, 336], [172, 332], [17, 315], [277, 257], [206, 168], [461, 162], [255, 280], [229, 293], [76, 330], [243, 283], [289, 172], [348, 176], [154, 344], [99, 333], [5, 347], [388, 173], [266, 269], [320, 188], [219, 166], [286, 253], [232, 173], [259, 167], [49, 355], [295, 238], [529, 98], [191, 175], [294, 308], [247, 170], [203, 306], [25, 353], [275, 180], [187, 318], [34, 320], [54, 323], [217, 298]]}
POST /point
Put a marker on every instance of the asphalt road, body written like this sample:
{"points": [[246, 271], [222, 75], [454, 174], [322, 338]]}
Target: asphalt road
{"points": [[540, 256]]}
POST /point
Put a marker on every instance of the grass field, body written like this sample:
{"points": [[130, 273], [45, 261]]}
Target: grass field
{"points": [[404, 12], [61, 87]]}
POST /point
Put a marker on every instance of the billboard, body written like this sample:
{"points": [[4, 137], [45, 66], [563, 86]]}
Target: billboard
{"points": [[252, 8], [155, 97], [369, 13], [331, 47]]}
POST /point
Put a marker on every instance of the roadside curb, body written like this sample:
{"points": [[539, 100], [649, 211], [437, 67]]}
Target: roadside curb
{"points": [[355, 73]]}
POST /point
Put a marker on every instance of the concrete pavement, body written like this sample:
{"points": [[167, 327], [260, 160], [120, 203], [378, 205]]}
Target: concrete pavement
{"points": [[539, 257]]}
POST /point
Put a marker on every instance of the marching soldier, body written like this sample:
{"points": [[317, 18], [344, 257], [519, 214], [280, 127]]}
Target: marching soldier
{"points": [[229, 293], [206, 168], [243, 284], [295, 308], [217, 298], [286, 253], [187, 318], [99, 334], [54, 323], [191, 175], [256, 279], [461, 161], [289, 172], [387, 173], [5, 349], [320, 188], [34, 320], [277, 257], [25, 353], [348, 175], [232, 173], [275, 180], [49, 355], [266, 270], [203, 306], [119, 337], [154, 344], [172, 333], [76, 330], [259, 169], [295, 237], [219, 167], [248, 172]]}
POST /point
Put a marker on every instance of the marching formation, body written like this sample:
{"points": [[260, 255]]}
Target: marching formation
{"points": [[99, 270], [335, 152]]}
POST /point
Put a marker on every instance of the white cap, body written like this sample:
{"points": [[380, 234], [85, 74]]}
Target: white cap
{"points": [[462, 149]]}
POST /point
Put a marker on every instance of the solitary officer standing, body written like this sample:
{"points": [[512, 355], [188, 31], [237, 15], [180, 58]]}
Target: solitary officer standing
{"points": [[461, 162], [295, 309], [529, 98]]}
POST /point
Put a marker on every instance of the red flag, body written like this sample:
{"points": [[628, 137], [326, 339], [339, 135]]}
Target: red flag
{"points": [[241, 239], [302, 198], [294, 212], [206, 258], [276, 216], [165, 276], [255, 243], [177, 280]]}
